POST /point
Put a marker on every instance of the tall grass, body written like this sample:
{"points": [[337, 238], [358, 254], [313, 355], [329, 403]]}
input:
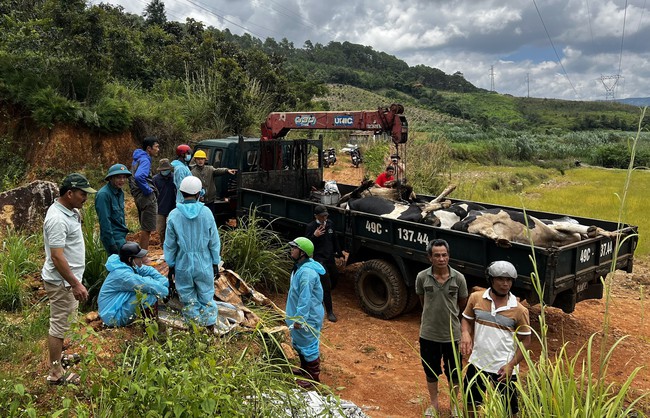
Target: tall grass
{"points": [[17, 260], [95, 271], [256, 253]]}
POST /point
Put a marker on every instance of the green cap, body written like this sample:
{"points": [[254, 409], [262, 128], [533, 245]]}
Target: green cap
{"points": [[77, 181]]}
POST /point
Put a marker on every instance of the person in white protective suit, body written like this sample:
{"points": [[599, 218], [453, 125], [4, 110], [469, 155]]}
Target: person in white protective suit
{"points": [[305, 309], [118, 297], [192, 251]]}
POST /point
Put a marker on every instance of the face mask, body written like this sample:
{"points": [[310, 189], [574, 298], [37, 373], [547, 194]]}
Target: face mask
{"points": [[318, 222], [165, 172], [188, 157]]}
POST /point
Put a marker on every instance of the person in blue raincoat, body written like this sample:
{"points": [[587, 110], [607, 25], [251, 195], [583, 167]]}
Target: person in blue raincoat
{"points": [[305, 308], [192, 251], [127, 276], [181, 169]]}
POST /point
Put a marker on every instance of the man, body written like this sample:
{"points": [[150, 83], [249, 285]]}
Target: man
{"points": [[493, 321], [207, 174], [326, 247], [192, 247], [180, 167], [109, 205], [387, 178], [305, 308], [143, 190], [127, 277], [443, 295], [62, 273], [164, 182]]}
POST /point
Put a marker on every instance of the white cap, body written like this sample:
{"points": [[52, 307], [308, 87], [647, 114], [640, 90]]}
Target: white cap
{"points": [[191, 185], [502, 269]]}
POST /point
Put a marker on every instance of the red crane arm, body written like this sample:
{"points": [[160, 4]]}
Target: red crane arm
{"points": [[390, 120]]}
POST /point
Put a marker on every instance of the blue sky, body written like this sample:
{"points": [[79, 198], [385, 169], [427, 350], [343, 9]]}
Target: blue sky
{"points": [[520, 40]]}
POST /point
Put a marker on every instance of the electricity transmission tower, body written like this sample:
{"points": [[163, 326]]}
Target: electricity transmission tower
{"points": [[491, 77], [610, 82]]}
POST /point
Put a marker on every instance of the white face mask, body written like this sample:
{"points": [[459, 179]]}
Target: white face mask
{"points": [[165, 172], [188, 157]]}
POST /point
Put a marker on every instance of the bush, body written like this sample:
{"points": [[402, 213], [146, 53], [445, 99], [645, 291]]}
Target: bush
{"points": [[16, 262], [95, 271], [256, 253]]}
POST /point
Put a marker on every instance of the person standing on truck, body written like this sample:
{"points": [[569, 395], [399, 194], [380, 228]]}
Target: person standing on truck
{"points": [[142, 188], [387, 178], [443, 295], [109, 205], [493, 322], [305, 308], [180, 168], [164, 182], [192, 251], [62, 273], [321, 233], [207, 174]]}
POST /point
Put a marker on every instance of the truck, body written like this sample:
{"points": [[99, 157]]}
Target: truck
{"points": [[282, 180]]}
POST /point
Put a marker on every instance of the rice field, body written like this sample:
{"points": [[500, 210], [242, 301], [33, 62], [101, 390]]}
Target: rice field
{"points": [[591, 192]]}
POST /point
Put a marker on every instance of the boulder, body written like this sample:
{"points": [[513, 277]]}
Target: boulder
{"points": [[24, 208]]}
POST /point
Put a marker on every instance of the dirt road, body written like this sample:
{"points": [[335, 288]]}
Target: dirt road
{"points": [[375, 363]]}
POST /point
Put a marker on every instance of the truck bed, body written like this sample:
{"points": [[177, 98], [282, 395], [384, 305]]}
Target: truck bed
{"points": [[568, 274]]}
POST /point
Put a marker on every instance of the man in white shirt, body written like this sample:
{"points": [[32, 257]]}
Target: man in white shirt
{"points": [[63, 270]]}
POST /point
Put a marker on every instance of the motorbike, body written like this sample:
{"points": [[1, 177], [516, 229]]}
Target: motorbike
{"points": [[329, 157], [355, 154]]}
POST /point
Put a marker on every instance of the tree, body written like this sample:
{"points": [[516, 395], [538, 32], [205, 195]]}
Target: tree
{"points": [[154, 13]]}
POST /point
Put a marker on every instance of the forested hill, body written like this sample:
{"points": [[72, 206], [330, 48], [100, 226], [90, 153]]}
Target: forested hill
{"points": [[97, 66], [361, 66]]}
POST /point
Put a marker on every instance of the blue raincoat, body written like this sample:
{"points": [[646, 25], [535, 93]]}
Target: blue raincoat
{"points": [[117, 297], [192, 246], [180, 172], [305, 306]]}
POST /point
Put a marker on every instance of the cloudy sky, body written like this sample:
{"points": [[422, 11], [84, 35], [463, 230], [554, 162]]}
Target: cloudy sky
{"points": [[566, 49]]}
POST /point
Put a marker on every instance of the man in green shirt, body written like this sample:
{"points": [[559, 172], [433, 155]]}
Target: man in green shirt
{"points": [[443, 294]]}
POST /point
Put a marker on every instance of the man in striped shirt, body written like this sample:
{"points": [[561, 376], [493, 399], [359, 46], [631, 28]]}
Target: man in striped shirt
{"points": [[492, 323]]}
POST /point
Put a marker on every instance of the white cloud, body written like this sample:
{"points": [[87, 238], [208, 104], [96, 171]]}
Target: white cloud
{"points": [[462, 35]]}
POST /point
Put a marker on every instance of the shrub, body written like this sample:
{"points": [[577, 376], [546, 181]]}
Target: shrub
{"points": [[256, 253], [16, 262], [95, 271]]}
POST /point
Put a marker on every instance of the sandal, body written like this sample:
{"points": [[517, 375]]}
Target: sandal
{"points": [[68, 360], [69, 378]]}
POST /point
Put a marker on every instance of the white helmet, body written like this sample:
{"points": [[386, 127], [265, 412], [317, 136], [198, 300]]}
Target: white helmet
{"points": [[502, 269], [191, 185]]}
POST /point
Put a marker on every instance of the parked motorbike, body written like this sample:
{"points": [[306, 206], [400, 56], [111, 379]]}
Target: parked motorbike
{"points": [[355, 154], [329, 157]]}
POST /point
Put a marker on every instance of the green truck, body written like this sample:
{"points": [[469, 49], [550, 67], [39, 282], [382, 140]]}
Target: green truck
{"points": [[283, 181]]}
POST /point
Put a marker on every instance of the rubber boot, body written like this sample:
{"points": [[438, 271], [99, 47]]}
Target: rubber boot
{"points": [[312, 369], [300, 371]]}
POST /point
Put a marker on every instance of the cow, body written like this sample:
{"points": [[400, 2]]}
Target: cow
{"points": [[447, 217], [505, 226], [412, 212]]}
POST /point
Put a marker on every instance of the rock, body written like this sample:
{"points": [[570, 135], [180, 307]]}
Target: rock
{"points": [[92, 316], [24, 208]]}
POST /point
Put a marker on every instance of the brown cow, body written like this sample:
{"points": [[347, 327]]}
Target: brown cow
{"points": [[505, 226]]}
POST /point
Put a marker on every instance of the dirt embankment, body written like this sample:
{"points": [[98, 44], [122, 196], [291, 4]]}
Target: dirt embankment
{"points": [[52, 152]]}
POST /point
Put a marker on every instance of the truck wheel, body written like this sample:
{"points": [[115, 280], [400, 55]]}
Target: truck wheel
{"points": [[412, 302], [381, 289]]}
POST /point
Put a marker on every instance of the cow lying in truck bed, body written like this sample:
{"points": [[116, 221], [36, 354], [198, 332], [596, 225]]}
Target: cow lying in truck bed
{"points": [[506, 226]]}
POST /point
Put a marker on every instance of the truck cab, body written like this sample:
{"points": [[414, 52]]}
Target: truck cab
{"points": [[289, 167]]}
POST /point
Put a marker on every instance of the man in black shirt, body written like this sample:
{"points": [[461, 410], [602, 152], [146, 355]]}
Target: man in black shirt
{"points": [[326, 248]]}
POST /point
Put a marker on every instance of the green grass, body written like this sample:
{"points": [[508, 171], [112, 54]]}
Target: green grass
{"points": [[586, 192]]}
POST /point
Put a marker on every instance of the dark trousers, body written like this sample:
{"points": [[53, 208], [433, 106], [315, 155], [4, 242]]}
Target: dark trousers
{"points": [[328, 281]]}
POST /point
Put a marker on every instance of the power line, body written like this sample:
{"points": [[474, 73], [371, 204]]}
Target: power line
{"points": [[620, 59], [555, 50]]}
